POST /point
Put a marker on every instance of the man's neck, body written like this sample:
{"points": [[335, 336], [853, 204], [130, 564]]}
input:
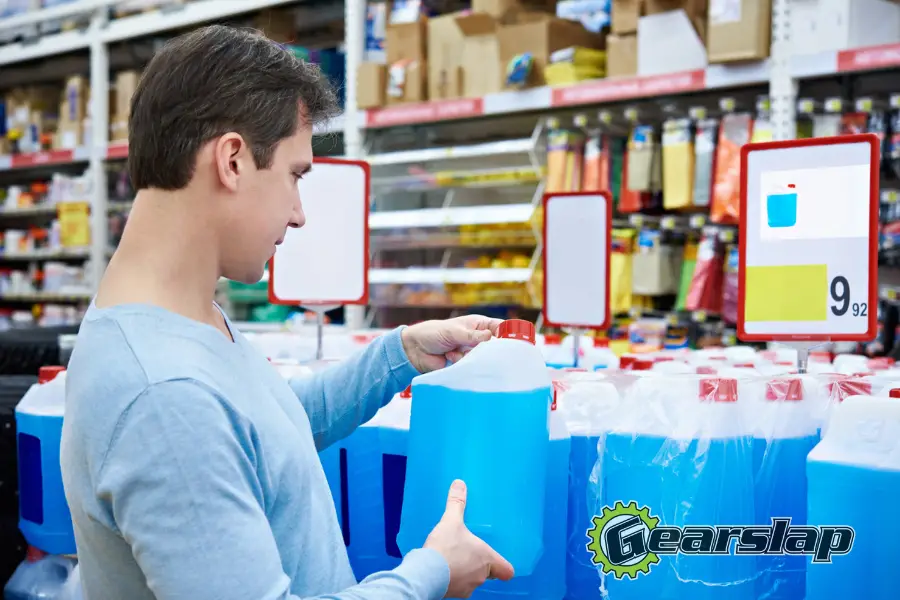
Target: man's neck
{"points": [[168, 257]]}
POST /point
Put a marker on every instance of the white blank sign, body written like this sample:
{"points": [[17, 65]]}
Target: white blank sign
{"points": [[577, 240], [327, 260]]}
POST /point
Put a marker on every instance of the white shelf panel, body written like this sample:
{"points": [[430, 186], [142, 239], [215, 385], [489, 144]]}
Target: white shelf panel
{"points": [[451, 217], [192, 13], [435, 275], [53, 13], [823, 64], [520, 146]]}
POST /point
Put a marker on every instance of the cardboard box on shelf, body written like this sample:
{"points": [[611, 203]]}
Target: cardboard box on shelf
{"points": [[827, 25], [621, 55], [406, 41], [371, 85], [445, 69], [739, 31], [501, 8], [125, 85], [668, 42], [625, 15], [406, 82], [472, 72], [277, 24], [118, 130], [696, 11], [542, 36]]}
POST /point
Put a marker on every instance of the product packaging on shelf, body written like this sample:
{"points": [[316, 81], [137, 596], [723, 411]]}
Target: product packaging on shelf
{"points": [[678, 164], [704, 160], [734, 132]]}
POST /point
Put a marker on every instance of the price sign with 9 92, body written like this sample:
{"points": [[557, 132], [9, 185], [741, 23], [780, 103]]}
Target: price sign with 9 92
{"points": [[841, 303], [808, 240]]}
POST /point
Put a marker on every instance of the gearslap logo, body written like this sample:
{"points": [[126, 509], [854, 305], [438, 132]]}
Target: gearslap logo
{"points": [[626, 540]]}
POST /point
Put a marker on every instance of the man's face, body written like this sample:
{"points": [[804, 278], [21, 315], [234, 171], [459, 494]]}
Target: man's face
{"points": [[267, 206]]}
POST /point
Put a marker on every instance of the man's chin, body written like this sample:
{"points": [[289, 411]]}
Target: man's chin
{"points": [[246, 278]]}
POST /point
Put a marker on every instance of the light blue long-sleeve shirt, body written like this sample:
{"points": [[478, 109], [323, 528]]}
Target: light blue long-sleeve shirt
{"points": [[191, 471]]}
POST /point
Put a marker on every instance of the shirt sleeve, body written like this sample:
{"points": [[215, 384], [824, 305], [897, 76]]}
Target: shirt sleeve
{"points": [[340, 398], [180, 481]]}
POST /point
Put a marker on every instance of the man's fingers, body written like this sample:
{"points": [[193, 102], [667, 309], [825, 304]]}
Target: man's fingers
{"points": [[456, 500], [476, 336], [500, 567]]}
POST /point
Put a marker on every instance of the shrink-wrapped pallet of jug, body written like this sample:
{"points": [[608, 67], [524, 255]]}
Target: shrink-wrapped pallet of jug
{"points": [[786, 429], [680, 456], [590, 409], [484, 420], [854, 469]]}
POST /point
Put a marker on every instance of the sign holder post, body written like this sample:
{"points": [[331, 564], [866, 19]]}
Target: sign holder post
{"points": [[808, 255], [325, 264], [577, 240]]}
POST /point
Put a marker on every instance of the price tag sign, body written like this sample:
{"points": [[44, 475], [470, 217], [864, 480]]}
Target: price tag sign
{"points": [[326, 262], [808, 240], [577, 241], [74, 224]]}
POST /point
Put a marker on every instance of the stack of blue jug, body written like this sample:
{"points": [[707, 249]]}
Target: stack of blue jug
{"points": [[684, 453], [44, 517], [851, 471]]}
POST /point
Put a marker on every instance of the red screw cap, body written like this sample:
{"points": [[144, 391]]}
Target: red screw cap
{"points": [[894, 393], [48, 373], [718, 390], [517, 329], [626, 362], [784, 389], [407, 393], [553, 339], [601, 342], [641, 365]]}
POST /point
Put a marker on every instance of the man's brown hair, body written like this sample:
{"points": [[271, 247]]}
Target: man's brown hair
{"points": [[209, 82]]}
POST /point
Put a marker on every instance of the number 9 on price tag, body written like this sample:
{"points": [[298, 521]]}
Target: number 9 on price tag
{"points": [[808, 240]]}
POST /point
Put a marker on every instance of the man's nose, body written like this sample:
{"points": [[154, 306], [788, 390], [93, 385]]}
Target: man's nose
{"points": [[298, 217]]}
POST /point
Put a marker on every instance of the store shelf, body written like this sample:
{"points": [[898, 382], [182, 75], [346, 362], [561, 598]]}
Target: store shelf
{"points": [[448, 241], [34, 17], [49, 158], [434, 275], [78, 253], [613, 89], [182, 15], [504, 147], [452, 217], [47, 297], [28, 211], [824, 64]]}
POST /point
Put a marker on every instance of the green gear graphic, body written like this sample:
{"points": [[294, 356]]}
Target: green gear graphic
{"points": [[595, 533]]}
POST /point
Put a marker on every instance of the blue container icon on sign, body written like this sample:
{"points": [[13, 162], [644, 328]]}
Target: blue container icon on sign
{"points": [[782, 208]]}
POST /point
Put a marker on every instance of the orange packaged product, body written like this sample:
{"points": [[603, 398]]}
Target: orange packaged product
{"points": [[596, 163], [734, 132]]}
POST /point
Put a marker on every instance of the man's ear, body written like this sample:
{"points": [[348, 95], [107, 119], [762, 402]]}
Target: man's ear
{"points": [[231, 154]]}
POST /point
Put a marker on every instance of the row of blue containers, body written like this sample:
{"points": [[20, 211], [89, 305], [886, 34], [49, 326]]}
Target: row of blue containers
{"points": [[696, 452]]}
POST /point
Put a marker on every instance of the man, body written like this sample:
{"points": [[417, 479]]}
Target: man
{"points": [[190, 466]]}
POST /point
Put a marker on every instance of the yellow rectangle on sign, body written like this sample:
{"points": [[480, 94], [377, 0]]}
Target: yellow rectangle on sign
{"points": [[786, 293]]}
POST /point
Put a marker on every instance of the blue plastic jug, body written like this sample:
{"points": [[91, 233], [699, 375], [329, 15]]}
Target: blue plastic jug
{"points": [[484, 420], [376, 472], [548, 581], [684, 453], [851, 471], [590, 409], [44, 517], [785, 432]]}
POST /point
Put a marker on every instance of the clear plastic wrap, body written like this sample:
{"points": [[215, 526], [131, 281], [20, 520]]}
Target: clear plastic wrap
{"points": [[46, 577], [701, 459]]}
